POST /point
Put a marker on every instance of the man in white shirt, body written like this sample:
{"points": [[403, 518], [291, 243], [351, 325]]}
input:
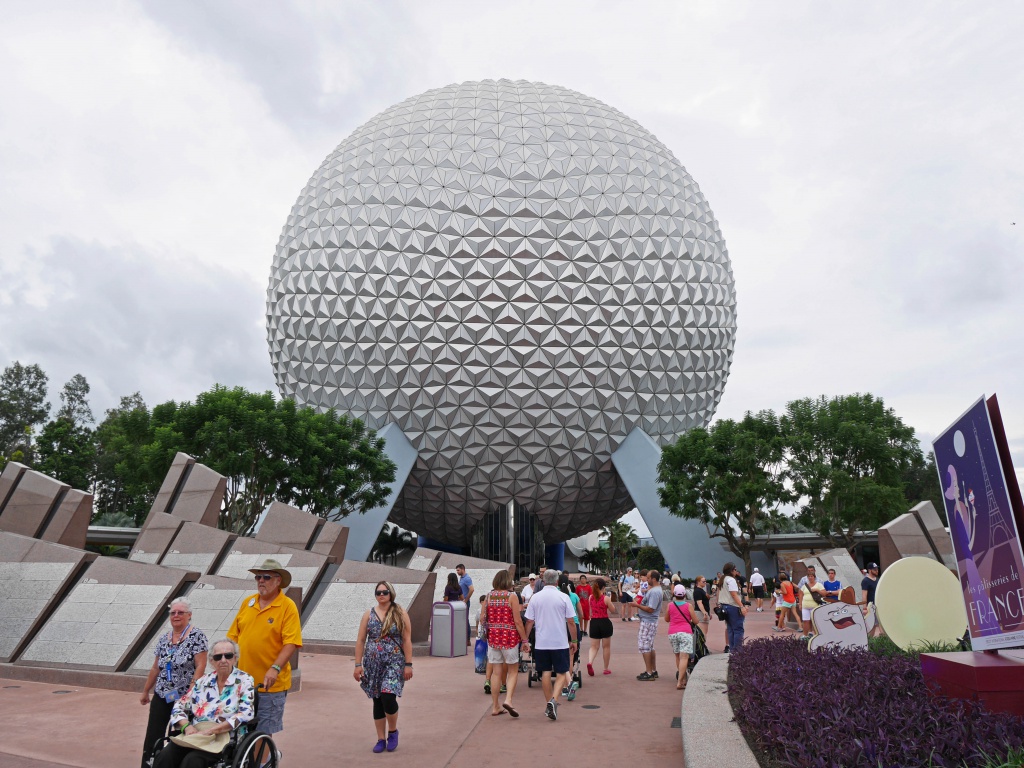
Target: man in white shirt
{"points": [[757, 584], [551, 613]]}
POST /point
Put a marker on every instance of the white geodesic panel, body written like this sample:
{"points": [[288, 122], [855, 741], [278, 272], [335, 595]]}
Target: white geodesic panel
{"points": [[518, 275]]}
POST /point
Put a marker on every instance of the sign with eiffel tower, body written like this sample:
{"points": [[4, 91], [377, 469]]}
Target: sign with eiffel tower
{"points": [[979, 486]]}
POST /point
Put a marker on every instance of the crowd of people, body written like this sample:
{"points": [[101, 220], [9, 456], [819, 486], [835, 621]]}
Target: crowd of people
{"points": [[546, 621]]}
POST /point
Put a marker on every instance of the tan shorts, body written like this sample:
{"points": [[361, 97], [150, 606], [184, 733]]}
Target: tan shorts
{"points": [[503, 655]]}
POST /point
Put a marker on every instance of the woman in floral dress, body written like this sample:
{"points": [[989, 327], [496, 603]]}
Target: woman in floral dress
{"points": [[384, 650]]}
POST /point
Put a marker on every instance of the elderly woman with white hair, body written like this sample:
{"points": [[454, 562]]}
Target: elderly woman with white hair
{"points": [[217, 704], [180, 660]]}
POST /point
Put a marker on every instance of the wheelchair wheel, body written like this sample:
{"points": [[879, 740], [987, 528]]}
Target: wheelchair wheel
{"points": [[252, 751]]}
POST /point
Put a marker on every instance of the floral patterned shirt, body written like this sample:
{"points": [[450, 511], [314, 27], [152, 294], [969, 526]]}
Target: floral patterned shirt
{"points": [[204, 702], [171, 685]]}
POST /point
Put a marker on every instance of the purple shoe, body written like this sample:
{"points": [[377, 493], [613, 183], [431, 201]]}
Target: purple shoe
{"points": [[392, 741], [379, 746]]}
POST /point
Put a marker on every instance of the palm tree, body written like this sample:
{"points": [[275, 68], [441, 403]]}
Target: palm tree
{"points": [[391, 542], [594, 559], [621, 540]]}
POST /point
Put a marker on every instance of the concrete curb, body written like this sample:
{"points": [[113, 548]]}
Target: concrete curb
{"points": [[711, 737]]}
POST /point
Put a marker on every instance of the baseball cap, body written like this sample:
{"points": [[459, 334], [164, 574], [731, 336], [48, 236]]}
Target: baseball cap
{"points": [[755, 570], [533, 575], [679, 590], [872, 566]]}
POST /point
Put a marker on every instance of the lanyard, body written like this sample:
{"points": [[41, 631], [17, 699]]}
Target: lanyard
{"points": [[172, 647]]}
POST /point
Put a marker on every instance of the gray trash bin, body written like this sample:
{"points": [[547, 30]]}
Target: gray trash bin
{"points": [[449, 629]]}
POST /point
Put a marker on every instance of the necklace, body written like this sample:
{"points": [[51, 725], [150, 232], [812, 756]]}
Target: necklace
{"points": [[181, 636]]}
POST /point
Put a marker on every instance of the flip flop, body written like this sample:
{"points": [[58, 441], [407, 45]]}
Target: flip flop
{"points": [[500, 712], [511, 710]]}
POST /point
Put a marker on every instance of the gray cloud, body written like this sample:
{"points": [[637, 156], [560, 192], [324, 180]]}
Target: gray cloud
{"points": [[863, 162], [131, 322]]}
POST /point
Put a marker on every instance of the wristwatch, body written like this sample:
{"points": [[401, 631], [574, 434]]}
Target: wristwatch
{"points": [[276, 666]]}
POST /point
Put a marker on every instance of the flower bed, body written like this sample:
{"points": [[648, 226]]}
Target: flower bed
{"points": [[850, 709]]}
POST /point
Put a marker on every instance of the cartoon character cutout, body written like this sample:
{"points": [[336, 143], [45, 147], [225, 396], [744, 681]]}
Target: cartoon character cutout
{"points": [[841, 625]]}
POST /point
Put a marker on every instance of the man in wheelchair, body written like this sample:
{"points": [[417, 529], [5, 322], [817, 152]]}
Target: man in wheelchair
{"points": [[215, 722]]}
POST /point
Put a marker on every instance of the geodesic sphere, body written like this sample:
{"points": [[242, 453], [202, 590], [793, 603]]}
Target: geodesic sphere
{"points": [[518, 275]]}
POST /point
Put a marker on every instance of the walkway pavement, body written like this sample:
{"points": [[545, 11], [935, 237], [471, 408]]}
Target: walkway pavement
{"points": [[444, 721]]}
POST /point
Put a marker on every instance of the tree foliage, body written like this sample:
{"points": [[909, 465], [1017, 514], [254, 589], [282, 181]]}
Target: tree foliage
{"points": [[23, 407], [848, 457], [391, 542], [74, 402], [731, 478], [650, 558], [919, 484], [66, 448], [124, 484], [594, 559], [621, 541], [67, 452], [267, 449]]}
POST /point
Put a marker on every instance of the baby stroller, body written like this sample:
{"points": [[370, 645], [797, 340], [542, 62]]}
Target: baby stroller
{"points": [[700, 648], [527, 666]]}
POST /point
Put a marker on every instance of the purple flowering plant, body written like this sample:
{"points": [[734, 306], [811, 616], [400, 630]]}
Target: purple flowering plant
{"points": [[854, 709]]}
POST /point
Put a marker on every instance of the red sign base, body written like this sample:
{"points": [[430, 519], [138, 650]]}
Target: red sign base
{"points": [[993, 679]]}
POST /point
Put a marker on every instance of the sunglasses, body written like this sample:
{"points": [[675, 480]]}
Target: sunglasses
{"points": [[180, 613], [219, 656], [382, 592], [265, 576]]}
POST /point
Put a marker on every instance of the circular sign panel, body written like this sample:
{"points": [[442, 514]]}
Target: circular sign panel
{"points": [[919, 601]]}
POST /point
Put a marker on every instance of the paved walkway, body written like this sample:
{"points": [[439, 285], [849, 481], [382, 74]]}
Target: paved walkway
{"points": [[445, 717]]}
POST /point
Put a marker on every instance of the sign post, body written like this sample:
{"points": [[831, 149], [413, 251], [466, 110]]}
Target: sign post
{"points": [[983, 509]]}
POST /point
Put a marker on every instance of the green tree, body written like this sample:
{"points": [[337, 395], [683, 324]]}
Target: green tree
{"points": [[391, 542], [921, 483], [267, 449], [67, 452], [731, 478], [621, 541], [74, 402], [650, 558], [124, 485], [594, 559], [66, 446], [23, 407], [848, 459]]}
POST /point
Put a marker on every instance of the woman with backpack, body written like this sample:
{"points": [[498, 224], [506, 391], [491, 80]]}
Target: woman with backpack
{"points": [[680, 632]]}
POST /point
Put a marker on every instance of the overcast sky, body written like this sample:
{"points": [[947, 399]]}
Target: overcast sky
{"points": [[864, 161]]}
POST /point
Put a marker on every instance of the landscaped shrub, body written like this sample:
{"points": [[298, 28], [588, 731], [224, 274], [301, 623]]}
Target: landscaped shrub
{"points": [[855, 709]]}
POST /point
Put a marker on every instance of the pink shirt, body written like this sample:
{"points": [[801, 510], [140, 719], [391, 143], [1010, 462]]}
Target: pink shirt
{"points": [[679, 618]]}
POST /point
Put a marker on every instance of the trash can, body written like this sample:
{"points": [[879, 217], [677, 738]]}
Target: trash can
{"points": [[449, 629]]}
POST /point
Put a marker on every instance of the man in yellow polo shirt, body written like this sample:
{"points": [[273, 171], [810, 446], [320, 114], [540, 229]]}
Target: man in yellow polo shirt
{"points": [[268, 631]]}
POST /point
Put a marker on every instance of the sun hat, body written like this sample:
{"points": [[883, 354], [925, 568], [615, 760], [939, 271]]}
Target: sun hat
{"points": [[270, 564]]}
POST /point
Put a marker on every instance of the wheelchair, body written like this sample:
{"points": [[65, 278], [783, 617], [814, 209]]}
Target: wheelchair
{"points": [[247, 747]]}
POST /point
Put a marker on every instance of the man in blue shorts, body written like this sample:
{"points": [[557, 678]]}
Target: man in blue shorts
{"points": [[551, 613]]}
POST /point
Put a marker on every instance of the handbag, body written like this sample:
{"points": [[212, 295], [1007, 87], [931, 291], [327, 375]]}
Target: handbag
{"points": [[720, 611], [207, 742]]}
